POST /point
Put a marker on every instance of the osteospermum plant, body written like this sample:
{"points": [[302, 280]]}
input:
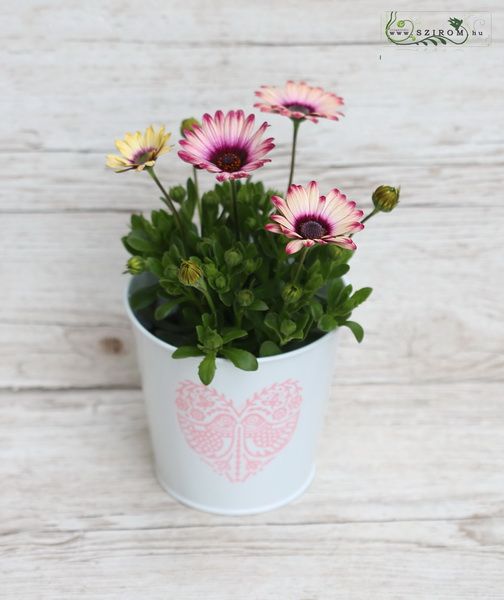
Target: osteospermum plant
{"points": [[241, 271]]}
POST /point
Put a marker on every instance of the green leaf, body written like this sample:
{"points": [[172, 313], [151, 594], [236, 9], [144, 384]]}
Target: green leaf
{"points": [[344, 295], [339, 270], [315, 267], [129, 248], [316, 310], [206, 369], [189, 204], [241, 358], [211, 339], [315, 282], [360, 296], [271, 321], [191, 189], [140, 243], [340, 255], [327, 323], [226, 298], [301, 323], [258, 305], [356, 329], [207, 319], [144, 297], [232, 333], [165, 309], [287, 327], [269, 348], [334, 291], [154, 266], [186, 352], [137, 221]]}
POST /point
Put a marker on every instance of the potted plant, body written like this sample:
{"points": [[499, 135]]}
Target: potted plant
{"points": [[235, 299]]}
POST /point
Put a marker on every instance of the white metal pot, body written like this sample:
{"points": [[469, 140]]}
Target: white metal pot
{"points": [[244, 444]]}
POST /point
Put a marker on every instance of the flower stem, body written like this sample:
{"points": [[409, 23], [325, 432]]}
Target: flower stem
{"points": [[239, 317], [371, 214], [296, 123], [167, 199], [202, 287], [374, 212], [300, 264], [198, 199], [234, 202]]}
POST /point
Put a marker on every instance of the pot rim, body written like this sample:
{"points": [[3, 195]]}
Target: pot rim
{"points": [[261, 359]]}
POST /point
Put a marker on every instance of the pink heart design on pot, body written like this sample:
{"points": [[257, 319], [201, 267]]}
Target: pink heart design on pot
{"points": [[238, 443]]}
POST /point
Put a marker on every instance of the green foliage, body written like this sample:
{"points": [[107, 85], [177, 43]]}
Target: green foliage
{"points": [[249, 302], [356, 329], [186, 352], [241, 358], [206, 369]]}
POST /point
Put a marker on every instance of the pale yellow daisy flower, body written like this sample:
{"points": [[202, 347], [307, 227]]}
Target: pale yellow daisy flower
{"points": [[139, 150]]}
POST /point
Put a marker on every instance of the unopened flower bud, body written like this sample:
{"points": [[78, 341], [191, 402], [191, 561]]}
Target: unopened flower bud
{"points": [[252, 264], [232, 257], [187, 125], [245, 298], [213, 341], [189, 272], [220, 283], [177, 193], [210, 270], [291, 293], [135, 265], [386, 198]]}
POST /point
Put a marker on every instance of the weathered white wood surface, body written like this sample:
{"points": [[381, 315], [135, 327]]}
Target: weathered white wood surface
{"points": [[409, 497], [408, 502]]}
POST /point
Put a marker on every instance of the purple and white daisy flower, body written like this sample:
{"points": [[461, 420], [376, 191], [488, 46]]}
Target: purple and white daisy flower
{"points": [[309, 218], [299, 101], [226, 145]]}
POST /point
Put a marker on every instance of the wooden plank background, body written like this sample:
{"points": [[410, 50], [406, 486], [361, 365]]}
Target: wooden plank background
{"points": [[409, 497]]}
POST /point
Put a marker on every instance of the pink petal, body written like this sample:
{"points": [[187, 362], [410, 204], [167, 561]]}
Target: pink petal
{"points": [[239, 175], [273, 227], [297, 200], [283, 207], [294, 246], [282, 221], [232, 129], [223, 176], [343, 242], [313, 196]]}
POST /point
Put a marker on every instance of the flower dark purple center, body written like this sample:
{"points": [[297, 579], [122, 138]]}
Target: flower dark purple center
{"points": [[311, 229], [230, 159], [302, 108], [142, 155]]}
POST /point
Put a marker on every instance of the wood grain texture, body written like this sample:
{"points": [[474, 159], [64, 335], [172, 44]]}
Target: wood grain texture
{"points": [[93, 101], [85, 185], [408, 502], [198, 24], [406, 493]]}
